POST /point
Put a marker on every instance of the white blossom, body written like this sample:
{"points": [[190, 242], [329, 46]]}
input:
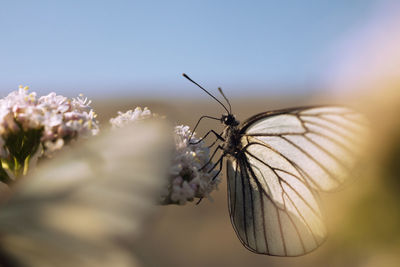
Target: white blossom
{"points": [[130, 116], [190, 175], [56, 119]]}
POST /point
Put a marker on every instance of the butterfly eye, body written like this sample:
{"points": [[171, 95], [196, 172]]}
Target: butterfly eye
{"points": [[230, 120], [224, 119]]}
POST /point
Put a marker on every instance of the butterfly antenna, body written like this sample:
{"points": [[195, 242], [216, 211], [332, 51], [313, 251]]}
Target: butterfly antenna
{"points": [[187, 77], [226, 99]]}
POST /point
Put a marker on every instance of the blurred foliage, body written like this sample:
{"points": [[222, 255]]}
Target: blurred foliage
{"points": [[20, 145], [372, 226], [391, 168]]}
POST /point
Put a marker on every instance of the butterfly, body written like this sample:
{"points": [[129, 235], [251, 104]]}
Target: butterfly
{"points": [[277, 162], [86, 206]]}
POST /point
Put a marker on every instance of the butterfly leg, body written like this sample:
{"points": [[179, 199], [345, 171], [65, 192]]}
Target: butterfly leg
{"points": [[220, 167], [197, 124], [212, 156], [219, 137], [216, 140], [220, 162]]}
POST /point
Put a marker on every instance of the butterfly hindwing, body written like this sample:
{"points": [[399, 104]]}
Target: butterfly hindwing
{"points": [[283, 221]]}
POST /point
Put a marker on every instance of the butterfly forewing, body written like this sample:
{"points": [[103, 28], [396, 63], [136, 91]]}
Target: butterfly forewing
{"points": [[286, 157], [323, 142]]}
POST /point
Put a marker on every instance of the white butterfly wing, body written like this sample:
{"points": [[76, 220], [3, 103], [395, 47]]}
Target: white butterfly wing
{"points": [[288, 156], [86, 206], [324, 142], [282, 221]]}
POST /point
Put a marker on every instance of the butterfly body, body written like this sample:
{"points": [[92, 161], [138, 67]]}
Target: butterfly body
{"points": [[231, 135]]}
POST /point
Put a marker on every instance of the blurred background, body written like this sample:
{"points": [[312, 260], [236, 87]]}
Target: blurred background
{"points": [[266, 55], [140, 48]]}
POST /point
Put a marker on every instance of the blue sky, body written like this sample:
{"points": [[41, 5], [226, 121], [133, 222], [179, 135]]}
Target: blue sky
{"points": [[141, 48]]}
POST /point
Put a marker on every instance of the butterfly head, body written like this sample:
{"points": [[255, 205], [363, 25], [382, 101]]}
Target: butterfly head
{"points": [[229, 120]]}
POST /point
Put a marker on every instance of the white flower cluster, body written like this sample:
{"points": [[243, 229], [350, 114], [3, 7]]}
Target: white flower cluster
{"points": [[189, 177], [60, 119], [67, 119], [32, 127], [124, 119]]}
